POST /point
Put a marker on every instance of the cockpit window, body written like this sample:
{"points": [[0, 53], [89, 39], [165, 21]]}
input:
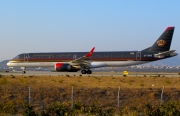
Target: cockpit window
{"points": [[16, 57]]}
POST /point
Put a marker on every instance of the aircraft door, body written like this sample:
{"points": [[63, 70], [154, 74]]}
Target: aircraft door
{"points": [[26, 56], [138, 56]]}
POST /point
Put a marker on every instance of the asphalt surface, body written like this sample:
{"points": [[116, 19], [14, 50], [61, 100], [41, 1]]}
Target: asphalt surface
{"points": [[47, 73]]}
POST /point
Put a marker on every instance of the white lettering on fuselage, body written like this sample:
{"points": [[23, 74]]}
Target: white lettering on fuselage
{"points": [[148, 55], [45, 63]]}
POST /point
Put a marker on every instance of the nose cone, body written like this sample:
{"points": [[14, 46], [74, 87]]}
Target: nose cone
{"points": [[8, 64]]}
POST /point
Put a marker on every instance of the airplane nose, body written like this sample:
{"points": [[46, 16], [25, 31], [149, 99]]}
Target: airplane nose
{"points": [[8, 64]]}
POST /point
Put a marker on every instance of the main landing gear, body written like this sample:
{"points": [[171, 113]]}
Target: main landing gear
{"points": [[23, 70], [86, 71]]}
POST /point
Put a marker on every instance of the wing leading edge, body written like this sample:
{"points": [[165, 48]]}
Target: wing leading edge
{"points": [[84, 61]]}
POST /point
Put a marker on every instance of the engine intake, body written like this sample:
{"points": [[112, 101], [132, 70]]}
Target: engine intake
{"points": [[63, 67]]}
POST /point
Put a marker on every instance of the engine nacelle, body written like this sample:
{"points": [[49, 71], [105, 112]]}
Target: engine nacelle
{"points": [[63, 67]]}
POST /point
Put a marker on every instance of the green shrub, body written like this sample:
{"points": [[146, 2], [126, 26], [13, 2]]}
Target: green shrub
{"points": [[60, 81], [168, 82], [28, 110], [141, 84], [3, 81], [9, 108], [78, 107], [30, 76], [168, 109], [95, 109], [12, 76], [109, 112], [58, 109]]}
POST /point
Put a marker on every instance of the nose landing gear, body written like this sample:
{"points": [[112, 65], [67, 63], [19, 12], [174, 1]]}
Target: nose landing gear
{"points": [[23, 70]]}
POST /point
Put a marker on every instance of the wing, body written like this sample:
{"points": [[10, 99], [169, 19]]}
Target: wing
{"points": [[84, 61]]}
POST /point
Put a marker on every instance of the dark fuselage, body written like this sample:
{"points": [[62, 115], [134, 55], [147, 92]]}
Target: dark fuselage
{"points": [[97, 56]]}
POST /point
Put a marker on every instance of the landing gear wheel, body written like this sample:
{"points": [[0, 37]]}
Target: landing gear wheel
{"points": [[23, 72], [83, 71], [89, 72]]}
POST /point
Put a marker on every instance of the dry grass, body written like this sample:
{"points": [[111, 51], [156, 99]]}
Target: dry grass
{"points": [[135, 91], [92, 81]]}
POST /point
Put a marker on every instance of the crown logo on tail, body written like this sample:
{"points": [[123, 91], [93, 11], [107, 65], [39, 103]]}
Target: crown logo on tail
{"points": [[161, 42]]}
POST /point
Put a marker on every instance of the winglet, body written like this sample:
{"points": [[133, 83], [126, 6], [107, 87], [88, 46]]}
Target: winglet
{"points": [[90, 53]]}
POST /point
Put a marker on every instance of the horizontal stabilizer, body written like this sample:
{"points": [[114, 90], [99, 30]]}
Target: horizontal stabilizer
{"points": [[166, 53]]}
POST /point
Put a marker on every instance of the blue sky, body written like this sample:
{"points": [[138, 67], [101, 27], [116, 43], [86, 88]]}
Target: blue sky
{"points": [[78, 25]]}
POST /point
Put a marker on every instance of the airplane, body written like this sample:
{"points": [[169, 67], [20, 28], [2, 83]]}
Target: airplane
{"points": [[75, 61]]}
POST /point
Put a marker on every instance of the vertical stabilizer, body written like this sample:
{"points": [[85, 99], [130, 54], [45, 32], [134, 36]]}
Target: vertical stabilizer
{"points": [[163, 43]]}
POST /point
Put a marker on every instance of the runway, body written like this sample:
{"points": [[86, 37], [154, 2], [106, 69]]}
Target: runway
{"points": [[47, 73]]}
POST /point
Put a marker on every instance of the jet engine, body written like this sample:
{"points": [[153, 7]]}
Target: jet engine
{"points": [[63, 67]]}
